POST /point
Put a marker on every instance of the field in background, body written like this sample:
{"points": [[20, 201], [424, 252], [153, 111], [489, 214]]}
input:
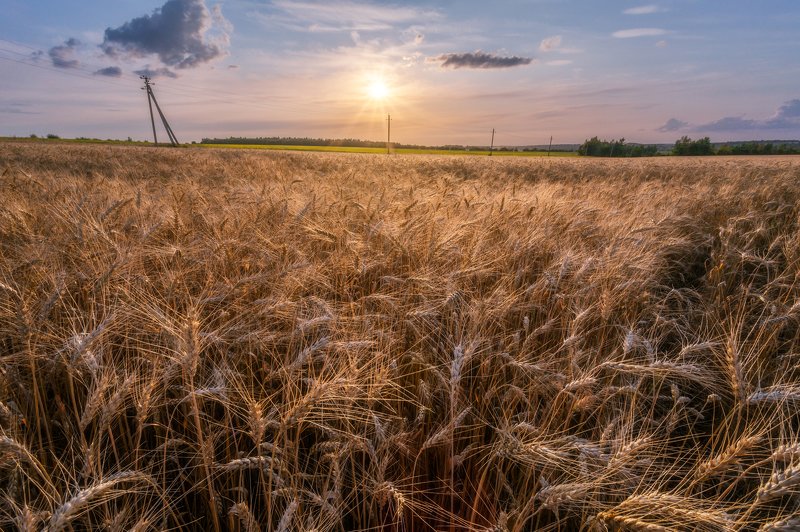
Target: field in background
{"points": [[335, 149], [398, 151], [252, 340]]}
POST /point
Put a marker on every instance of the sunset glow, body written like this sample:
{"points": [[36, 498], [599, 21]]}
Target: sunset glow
{"points": [[530, 70], [377, 90]]}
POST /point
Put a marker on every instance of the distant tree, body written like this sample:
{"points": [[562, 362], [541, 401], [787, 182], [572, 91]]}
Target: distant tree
{"points": [[52, 136], [34, 136], [687, 146], [594, 147]]}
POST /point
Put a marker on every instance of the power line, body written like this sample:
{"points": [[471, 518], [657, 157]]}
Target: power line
{"points": [[82, 73], [59, 71]]}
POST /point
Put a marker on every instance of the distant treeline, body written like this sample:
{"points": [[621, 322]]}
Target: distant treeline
{"points": [[687, 146], [758, 148], [297, 141], [596, 147], [357, 143], [308, 141]]}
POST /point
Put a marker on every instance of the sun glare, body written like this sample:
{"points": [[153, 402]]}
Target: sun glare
{"points": [[377, 90]]}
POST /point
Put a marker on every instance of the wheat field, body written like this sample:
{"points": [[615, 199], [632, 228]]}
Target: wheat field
{"points": [[235, 340]]}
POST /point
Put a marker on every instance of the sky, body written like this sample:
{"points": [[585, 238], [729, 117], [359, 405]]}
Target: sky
{"points": [[447, 72]]}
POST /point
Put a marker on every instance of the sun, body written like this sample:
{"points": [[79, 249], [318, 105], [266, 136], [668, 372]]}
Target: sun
{"points": [[378, 90]]}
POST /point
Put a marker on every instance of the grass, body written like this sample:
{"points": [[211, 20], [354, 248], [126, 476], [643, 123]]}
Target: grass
{"points": [[257, 340]]}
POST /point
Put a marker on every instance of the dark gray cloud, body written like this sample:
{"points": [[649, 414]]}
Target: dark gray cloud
{"points": [[63, 55], [730, 123], [156, 72], [786, 117], [17, 109], [479, 59], [176, 33], [112, 72], [673, 124], [790, 109]]}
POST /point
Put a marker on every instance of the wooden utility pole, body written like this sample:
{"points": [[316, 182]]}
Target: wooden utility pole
{"points": [[151, 99], [550, 145], [491, 146], [388, 132], [150, 105]]}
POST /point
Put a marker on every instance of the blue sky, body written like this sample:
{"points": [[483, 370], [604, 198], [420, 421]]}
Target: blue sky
{"points": [[451, 70]]}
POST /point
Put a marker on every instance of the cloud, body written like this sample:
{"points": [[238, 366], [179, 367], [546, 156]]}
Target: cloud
{"points": [[729, 123], [643, 10], [176, 32], [112, 72], [479, 59], [346, 15], [638, 32], [63, 55], [550, 43], [787, 116], [673, 124], [156, 72], [662, 44], [559, 62], [17, 109], [418, 38]]}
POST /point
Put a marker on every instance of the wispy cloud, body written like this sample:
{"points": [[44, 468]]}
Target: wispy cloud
{"points": [[550, 43], [480, 60], [643, 10], [729, 123], [175, 32], [17, 109], [639, 32], [156, 72], [111, 72], [63, 55], [673, 124], [556, 44], [346, 16]]}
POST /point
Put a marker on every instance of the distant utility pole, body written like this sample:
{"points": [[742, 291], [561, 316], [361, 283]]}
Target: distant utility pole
{"points": [[388, 132], [491, 146], [550, 145], [151, 99]]}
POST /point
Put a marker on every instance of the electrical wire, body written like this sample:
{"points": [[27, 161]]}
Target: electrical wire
{"points": [[200, 94]]}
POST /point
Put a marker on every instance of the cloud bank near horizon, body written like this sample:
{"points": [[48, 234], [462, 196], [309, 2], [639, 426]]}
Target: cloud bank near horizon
{"points": [[787, 116]]}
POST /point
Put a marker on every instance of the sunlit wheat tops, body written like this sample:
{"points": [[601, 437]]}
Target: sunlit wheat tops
{"points": [[232, 340]]}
